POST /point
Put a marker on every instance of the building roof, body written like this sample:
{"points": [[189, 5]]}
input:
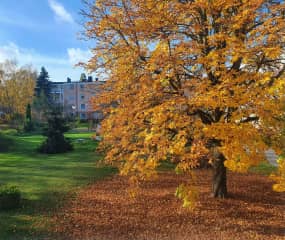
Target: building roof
{"points": [[74, 82]]}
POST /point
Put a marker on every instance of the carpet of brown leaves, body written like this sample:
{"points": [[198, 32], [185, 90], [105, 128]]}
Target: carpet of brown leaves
{"points": [[104, 211]]}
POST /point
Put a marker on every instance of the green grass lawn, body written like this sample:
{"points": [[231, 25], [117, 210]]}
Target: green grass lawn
{"points": [[44, 180], [264, 168], [47, 180]]}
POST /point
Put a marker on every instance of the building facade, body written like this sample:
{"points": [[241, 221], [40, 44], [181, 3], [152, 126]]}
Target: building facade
{"points": [[74, 98]]}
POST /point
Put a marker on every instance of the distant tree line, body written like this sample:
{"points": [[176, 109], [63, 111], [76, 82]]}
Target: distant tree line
{"points": [[17, 86]]}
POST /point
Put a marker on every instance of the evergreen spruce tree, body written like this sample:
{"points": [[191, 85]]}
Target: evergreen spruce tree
{"points": [[28, 121], [55, 142], [42, 100], [29, 113], [43, 84]]}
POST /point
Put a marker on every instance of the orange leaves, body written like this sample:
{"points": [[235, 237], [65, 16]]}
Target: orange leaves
{"points": [[178, 147], [272, 52], [241, 145], [192, 157]]}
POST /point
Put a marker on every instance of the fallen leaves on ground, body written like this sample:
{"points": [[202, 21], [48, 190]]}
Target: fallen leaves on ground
{"points": [[104, 211]]}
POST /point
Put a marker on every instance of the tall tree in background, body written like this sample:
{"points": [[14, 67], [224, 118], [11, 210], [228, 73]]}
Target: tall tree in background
{"points": [[43, 84], [42, 99], [28, 126], [16, 89], [194, 79]]}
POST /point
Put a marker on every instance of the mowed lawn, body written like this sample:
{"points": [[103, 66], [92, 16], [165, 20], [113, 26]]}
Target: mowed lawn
{"points": [[45, 181]]}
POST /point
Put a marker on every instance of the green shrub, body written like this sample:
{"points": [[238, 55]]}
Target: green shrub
{"points": [[5, 142], [29, 127], [10, 197], [56, 144]]}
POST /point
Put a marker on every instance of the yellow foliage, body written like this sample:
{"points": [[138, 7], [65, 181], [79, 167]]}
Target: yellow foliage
{"points": [[279, 177], [16, 89], [188, 194], [187, 79]]}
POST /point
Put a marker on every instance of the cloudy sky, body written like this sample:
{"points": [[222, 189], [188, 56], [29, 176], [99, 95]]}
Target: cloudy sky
{"points": [[44, 33]]}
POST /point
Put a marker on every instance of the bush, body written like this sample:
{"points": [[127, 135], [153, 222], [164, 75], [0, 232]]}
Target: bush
{"points": [[56, 144], [5, 142], [10, 197]]}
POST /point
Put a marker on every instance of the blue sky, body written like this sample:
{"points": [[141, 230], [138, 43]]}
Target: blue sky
{"points": [[44, 33]]}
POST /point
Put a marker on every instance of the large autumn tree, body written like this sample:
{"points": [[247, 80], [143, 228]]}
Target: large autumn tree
{"points": [[193, 80]]}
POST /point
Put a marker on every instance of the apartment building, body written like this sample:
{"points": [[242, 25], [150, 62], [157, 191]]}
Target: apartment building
{"points": [[74, 97]]}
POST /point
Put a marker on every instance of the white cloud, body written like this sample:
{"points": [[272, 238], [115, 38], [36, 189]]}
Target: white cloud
{"points": [[60, 12], [10, 51], [27, 56], [77, 55], [59, 68]]}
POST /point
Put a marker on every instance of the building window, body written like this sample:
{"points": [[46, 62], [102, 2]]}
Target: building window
{"points": [[82, 96], [81, 86], [71, 86], [82, 106], [82, 116]]}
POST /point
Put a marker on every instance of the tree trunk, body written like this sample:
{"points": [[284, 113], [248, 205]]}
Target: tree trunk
{"points": [[219, 182]]}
